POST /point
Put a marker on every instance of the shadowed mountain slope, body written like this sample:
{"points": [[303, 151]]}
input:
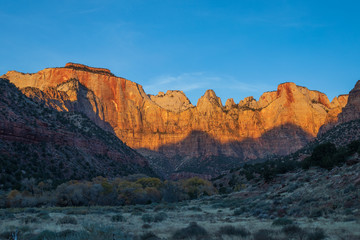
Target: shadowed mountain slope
{"points": [[37, 141]]}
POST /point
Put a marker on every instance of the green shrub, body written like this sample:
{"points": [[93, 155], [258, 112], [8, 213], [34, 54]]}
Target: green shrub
{"points": [[317, 234], [117, 218], [264, 234], [292, 230], [353, 147], [191, 232], [238, 211], [146, 226], [282, 222], [233, 231], [29, 219], [149, 236], [43, 215], [147, 218], [67, 220], [159, 217], [325, 156], [46, 234]]}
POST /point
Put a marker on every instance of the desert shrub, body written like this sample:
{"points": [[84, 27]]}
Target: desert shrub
{"points": [[14, 199], [117, 218], [238, 211], [29, 219], [152, 195], [190, 232], [149, 236], [195, 209], [292, 230], [31, 210], [46, 234], [67, 234], [146, 226], [353, 147], [6, 215], [67, 220], [264, 234], [196, 187], [323, 156], [72, 194], [282, 222], [316, 212], [129, 192], [108, 188], [159, 217], [137, 212], [77, 211], [6, 235], [96, 232], [150, 182], [173, 192], [147, 218], [233, 231], [317, 234]]}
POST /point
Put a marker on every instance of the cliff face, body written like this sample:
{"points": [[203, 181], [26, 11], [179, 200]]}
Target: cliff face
{"points": [[40, 142], [281, 121], [352, 109]]}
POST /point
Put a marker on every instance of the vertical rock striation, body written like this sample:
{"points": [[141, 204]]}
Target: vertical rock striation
{"points": [[280, 122]]}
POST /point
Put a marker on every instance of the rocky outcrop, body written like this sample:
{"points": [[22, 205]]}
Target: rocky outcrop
{"points": [[337, 105], [352, 109], [280, 122], [175, 101]]}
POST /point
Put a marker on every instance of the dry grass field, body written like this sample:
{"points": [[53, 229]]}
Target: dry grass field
{"points": [[198, 219]]}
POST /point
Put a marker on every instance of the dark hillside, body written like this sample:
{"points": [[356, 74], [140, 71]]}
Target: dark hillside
{"points": [[42, 143]]}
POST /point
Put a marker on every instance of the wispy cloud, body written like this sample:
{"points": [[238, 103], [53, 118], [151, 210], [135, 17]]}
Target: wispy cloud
{"points": [[184, 82]]}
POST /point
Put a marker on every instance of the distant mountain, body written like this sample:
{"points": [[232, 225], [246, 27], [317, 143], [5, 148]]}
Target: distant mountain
{"points": [[42, 143], [177, 137]]}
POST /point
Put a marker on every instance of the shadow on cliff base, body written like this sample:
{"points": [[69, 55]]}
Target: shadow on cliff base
{"points": [[200, 153]]}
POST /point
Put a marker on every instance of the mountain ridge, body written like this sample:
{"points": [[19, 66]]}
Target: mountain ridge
{"points": [[143, 123]]}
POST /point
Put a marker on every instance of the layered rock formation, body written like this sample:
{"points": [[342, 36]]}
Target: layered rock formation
{"points": [[43, 143], [352, 109], [281, 121]]}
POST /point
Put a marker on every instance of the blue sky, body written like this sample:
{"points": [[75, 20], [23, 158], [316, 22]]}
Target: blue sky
{"points": [[238, 48]]}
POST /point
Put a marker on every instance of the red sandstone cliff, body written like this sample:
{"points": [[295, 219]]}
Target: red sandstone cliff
{"points": [[280, 122], [46, 144], [352, 109]]}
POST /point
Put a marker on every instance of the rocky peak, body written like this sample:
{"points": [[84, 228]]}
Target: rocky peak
{"points": [[83, 67], [340, 101], [211, 98], [249, 102], [352, 109], [175, 101], [287, 90], [230, 103], [266, 98]]}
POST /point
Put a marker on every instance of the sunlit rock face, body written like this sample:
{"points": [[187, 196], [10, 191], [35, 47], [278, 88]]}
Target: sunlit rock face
{"points": [[352, 109], [48, 138], [280, 122], [175, 101]]}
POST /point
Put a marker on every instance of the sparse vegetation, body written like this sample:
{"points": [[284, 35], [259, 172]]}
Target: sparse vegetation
{"points": [[282, 222], [190, 232], [67, 220], [233, 231], [117, 218]]}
